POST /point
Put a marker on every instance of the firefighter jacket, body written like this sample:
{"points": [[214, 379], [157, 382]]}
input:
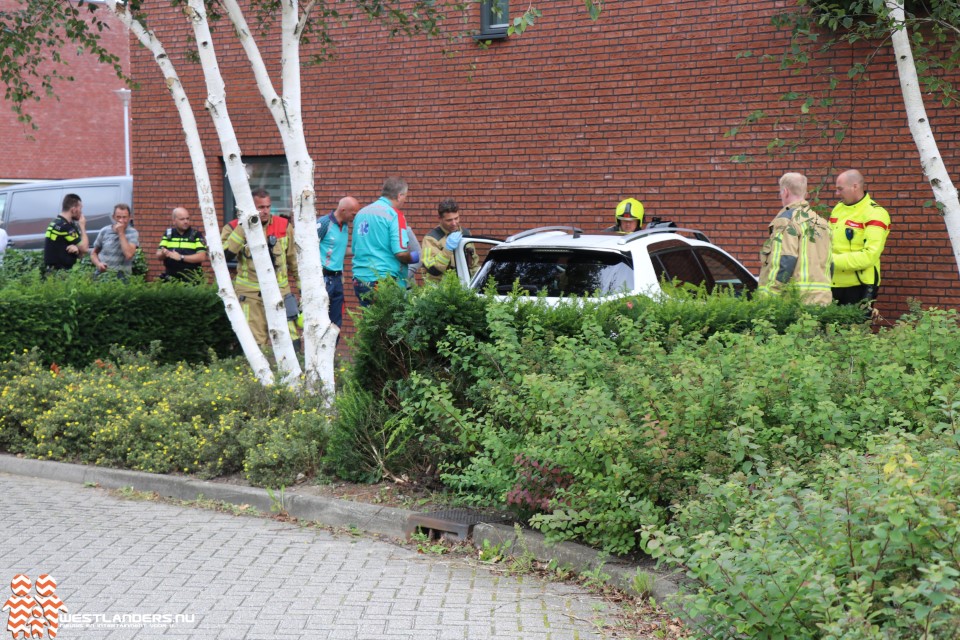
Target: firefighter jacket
{"points": [[797, 251], [859, 234], [283, 254], [437, 258]]}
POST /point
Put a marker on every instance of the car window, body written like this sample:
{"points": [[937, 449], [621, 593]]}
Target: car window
{"points": [[724, 271], [678, 264], [557, 272]]}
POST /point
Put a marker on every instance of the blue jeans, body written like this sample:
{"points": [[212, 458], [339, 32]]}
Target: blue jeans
{"points": [[335, 291], [363, 291]]}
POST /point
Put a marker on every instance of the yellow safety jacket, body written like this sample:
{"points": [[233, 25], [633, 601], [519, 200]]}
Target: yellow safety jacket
{"points": [[282, 252], [437, 258], [859, 234], [797, 251]]}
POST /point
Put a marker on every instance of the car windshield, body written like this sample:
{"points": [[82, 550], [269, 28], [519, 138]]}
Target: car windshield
{"points": [[557, 272]]}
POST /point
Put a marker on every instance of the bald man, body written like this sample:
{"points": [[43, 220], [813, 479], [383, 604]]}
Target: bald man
{"points": [[333, 232], [182, 249], [859, 228]]}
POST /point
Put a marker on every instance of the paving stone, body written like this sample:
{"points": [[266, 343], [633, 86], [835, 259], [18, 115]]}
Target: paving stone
{"points": [[197, 574]]}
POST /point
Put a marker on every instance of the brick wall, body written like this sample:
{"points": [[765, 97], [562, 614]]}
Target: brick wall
{"points": [[81, 130], [560, 124]]}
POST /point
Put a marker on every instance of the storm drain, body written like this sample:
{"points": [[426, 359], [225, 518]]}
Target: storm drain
{"points": [[456, 524]]}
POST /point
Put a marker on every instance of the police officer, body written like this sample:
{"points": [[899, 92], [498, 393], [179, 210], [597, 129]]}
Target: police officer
{"points": [[860, 227], [798, 248], [182, 248], [440, 243], [66, 238], [628, 216]]}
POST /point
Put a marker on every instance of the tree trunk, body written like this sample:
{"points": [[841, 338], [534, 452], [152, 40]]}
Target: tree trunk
{"points": [[286, 357], [211, 225], [319, 334], [930, 159]]}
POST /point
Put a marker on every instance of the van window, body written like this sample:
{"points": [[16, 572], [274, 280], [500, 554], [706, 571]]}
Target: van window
{"points": [[32, 211], [98, 203]]}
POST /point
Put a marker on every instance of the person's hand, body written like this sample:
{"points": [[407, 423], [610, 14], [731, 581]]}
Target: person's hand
{"points": [[73, 249], [453, 240], [118, 227], [82, 221], [414, 257]]}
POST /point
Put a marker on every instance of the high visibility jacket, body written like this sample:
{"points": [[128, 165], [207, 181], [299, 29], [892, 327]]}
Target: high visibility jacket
{"points": [[797, 251], [283, 254], [859, 234], [437, 258]]}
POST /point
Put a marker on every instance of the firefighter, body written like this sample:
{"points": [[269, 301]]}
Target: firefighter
{"points": [[443, 240], [283, 254], [798, 248], [860, 227], [628, 215]]}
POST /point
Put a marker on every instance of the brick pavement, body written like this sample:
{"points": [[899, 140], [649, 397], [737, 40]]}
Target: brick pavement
{"points": [[252, 578]]}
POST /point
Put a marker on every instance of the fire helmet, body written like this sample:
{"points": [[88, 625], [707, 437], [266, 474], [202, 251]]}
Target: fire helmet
{"points": [[630, 208]]}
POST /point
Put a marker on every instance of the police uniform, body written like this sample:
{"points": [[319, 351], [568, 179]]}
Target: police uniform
{"points": [[283, 254], [860, 233], [797, 251], [186, 243], [437, 258], [61, 233]]}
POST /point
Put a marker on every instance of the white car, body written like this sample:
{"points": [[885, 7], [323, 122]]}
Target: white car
{"points": [[562, 261]]}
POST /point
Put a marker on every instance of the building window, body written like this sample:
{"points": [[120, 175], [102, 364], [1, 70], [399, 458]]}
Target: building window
{"points": [[264, 172], [494, 19]]}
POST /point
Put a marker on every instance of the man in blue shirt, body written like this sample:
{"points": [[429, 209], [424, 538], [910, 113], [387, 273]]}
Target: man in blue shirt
{"points": [[380, 241], [332, 230]]}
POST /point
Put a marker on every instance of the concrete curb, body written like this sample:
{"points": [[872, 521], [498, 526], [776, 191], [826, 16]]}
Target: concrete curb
{"points": [[387, 521]]}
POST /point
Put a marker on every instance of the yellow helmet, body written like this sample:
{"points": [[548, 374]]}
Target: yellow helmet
{"points": [[630, 208]]}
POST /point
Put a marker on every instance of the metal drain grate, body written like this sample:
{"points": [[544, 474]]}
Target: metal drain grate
{"points": [[454, 524]]}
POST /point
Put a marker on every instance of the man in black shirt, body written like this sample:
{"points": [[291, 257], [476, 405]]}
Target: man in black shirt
{"points": [[66, 238]]}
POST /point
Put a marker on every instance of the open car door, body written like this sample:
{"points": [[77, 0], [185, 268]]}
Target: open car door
{"points": [[470, 246]]}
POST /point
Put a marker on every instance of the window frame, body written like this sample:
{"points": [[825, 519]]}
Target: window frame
{"points": [[492, 26], [281, 202]]}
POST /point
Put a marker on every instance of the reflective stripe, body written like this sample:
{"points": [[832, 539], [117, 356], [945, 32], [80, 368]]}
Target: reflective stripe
{"points": [[876, 223], [855, 225]]}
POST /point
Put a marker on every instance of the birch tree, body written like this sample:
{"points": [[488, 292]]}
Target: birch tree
{"points": [[930, 158], [37, 27], [820, 27], [40, 26]]}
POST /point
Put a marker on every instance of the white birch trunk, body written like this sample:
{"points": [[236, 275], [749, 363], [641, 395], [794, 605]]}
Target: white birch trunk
{"points": [[286, 357], [931, 161], [319, 334], [211, 225]]}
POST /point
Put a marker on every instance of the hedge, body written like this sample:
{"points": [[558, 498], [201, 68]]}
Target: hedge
{"points": [[74, 320]]}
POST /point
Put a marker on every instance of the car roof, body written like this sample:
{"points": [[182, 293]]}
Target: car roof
{"points": [[575, 238]]}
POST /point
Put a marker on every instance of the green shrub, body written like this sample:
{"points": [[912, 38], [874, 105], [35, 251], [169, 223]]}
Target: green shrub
{"points": [[73, 320], [635, 421], [861, 546], [130, 412]]}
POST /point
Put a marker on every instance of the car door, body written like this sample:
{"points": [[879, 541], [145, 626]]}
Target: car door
{"points": [[724, 271], [478, 245]]}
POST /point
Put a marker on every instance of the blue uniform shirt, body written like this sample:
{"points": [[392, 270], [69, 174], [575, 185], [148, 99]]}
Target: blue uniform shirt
{"points": [[333, 242], [377, 237]]}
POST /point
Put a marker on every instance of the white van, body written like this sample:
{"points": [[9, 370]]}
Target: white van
{"points": [[27, 209]]}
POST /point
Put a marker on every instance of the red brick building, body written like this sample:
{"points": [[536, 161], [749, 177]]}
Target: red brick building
{"points": [[80, 131], [558, 125]]}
